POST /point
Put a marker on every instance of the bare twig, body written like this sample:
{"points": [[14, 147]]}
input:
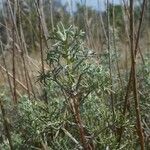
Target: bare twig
{"points": [[131, 70], [134, 77]]}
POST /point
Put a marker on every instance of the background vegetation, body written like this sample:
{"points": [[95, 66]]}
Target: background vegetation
{"points": [[74, 80]]}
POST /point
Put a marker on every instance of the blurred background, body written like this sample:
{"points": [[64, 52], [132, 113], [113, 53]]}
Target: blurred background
{"points": [[25, 25]]}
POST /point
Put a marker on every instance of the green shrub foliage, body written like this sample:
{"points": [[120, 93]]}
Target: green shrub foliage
{"points": [[76, 85]]}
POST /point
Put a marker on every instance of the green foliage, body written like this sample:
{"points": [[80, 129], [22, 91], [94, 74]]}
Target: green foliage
{"points": [[71, 64], [73, 72]]}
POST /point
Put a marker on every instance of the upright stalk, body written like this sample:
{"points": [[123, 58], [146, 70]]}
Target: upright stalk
{"points": [[22, 48], [134, 77], [41, 48], [126, 102], [110, 63], [115, 47], [74, 104], [13, 57]]}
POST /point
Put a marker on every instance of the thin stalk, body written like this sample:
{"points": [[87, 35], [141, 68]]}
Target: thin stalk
{"points": [[24, 53], [136, 36], [126, 102], [102, 22], [13, 59], [126, 20], [22, 50], [110, 63], [42, 21], [134, 77], [25, 62], [76, 113], [115, 47], [41, 50]]}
